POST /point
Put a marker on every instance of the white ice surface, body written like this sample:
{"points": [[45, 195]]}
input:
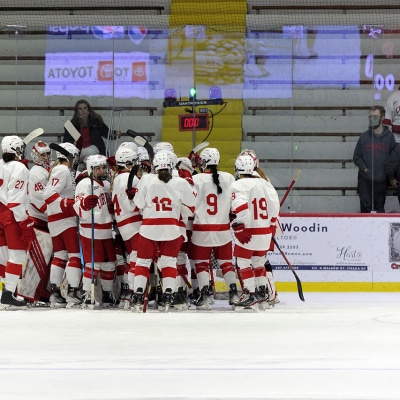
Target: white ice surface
{"points": [[332, 346]]}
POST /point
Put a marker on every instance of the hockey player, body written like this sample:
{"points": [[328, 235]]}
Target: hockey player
{"points": [[164, 200], [92, 202], [185, 170], [127, 215], [211, 226], [255, 203], [258, 172], [59, 197], [16, 227], [38, 178]]}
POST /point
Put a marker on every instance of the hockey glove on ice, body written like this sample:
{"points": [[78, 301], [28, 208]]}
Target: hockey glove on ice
{"points": [[26, 227], [67, 207], [89, 202], [241, 233]]}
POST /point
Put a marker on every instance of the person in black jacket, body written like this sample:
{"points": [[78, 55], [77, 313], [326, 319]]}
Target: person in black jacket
{"points": [[370, 155], [92, 128]]}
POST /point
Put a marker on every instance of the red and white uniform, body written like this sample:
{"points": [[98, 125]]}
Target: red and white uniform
{"points": [[163, 206], [256, 204], [14, 178], [211, 227], [103, 242], [38, 178], [62, 227], [392, 115], [128, 218]]}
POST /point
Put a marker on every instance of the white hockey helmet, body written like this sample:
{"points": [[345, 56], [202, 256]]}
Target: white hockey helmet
{"points": [[41, 154], [14, 145], [129, 145], [174, 158], [244, 164], [209, 156], [252, 154], [126, 156], [143, 155], [94, 161], [162, 160], [70, 148], [163, 146], [185, 163]]}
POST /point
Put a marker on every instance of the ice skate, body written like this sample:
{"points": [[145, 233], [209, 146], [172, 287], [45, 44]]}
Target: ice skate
{"points": [[137, 302], [262, 297], [73, 299], [247, 302], [203, 302], [87, 300], [56, 300], [233, 294], [166, 301], [10, 302], [108, 299]]}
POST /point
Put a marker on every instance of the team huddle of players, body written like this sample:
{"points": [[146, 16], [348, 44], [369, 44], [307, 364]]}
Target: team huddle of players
{"points": [[135, 228]]}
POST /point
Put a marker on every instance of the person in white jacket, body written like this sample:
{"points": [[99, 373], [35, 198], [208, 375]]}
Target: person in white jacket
{"points": [[165, 201], [255, 203]]}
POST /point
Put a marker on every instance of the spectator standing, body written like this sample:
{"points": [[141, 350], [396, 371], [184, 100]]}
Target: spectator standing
{"points": [[370, 154]]}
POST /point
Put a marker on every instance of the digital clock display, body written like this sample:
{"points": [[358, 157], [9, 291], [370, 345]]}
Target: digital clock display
{"points": [[190, 122]]}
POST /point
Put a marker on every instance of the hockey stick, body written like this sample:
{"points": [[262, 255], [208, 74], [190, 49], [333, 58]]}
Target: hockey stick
{"points": [[299, 287], [146, 296], [199, 147], [183, 276], [290, 187], [32, 135], [211, 270], [92, 283], [141, 141], [70, 128]]}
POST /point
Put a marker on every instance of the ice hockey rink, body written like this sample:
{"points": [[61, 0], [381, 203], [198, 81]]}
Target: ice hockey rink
{"points": [[332, 346]]}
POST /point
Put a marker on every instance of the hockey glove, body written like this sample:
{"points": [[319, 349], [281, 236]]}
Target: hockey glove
{"points": [[67, 207], [26, 227], [89, 202], [241, 233], [131, 193]]}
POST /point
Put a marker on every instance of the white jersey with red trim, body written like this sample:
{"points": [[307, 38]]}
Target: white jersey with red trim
{"points": [[256, 204], [127, 215], [164, 206], [102, 217], [38, 178], [392, 114], [211, 225], [58, 187], [14, 177]]}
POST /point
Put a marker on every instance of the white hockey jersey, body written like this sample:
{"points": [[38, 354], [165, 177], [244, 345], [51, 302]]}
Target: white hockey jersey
{"points": [[211, 225], [164, 206], [127, 215], [102, 217], [37, 182], [256, 204], [58, 187], [14, 177]]}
